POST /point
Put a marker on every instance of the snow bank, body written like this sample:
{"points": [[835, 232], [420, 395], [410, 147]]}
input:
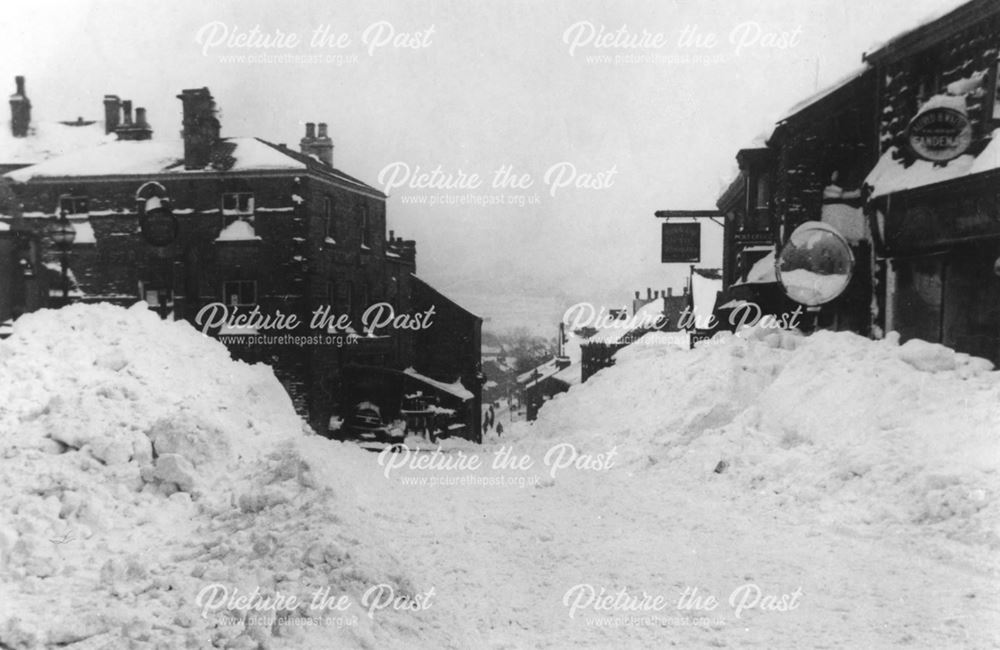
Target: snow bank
{"points": [[854, 431], [141, 464]]}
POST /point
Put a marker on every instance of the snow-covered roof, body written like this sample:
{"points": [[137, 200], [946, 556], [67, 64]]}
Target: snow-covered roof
{"points": [[877, 50], [455, 388], [156, 157], [571, 375], [618, 330], [824, 93], [238, 230], [47, 140], [144, 157], [889, 175]]}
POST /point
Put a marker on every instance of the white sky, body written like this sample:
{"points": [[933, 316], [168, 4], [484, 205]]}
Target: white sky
{"points": [[496, 85]]}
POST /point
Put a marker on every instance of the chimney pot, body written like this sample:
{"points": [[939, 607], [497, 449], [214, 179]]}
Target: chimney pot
{"points": [[140, 117], [321, 147], [670, 291], [19, 82], [127, 112], [637, 295], [392, 235], [112, 113], [649, 293], [656, 294]]}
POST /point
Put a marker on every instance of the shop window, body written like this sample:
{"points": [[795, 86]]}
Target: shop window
{"points": [[237, 203], [74, 205], [240, 293]]}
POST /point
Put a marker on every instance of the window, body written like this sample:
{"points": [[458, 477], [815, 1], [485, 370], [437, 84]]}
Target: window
{"points": [[239, 293], [74, 204], [237, 203], [329, 218], [365, 238], [763, 191]]}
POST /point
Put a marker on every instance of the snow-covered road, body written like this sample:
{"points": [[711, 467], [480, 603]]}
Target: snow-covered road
{"points": [[507, 556], [771, 491]]}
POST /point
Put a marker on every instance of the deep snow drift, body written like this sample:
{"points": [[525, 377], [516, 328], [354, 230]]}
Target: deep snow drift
{"points": [[140, 464], [860, 432]]}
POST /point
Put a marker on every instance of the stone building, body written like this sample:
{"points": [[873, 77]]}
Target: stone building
{"points": [[932, 197], [205, 221]]}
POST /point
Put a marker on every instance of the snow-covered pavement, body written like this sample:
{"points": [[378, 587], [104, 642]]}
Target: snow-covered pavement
{"points": [[826, 491]]}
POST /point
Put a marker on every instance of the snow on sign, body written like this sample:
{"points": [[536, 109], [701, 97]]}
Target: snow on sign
{"points": [[681, 243], [939, 133]]}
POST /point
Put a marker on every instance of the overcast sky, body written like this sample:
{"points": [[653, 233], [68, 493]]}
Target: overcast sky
{"points": [[473, 87]]}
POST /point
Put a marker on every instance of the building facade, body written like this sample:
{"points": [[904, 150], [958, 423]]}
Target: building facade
{"points": [[207, 227], [932, 198]]}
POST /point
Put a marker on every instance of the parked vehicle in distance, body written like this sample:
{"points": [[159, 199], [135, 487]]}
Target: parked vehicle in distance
{"points": [[365, 425]]}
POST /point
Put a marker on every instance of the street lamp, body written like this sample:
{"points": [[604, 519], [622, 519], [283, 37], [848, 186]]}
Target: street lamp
{"points": [[63, 234]]}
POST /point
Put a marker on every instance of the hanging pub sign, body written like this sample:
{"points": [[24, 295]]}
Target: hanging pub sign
{"points": [[681, 243], [939, 133]]}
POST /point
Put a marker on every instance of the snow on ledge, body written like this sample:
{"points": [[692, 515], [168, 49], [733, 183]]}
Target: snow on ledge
{"points": [[238, 230]]}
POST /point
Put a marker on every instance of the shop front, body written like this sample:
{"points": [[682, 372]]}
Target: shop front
{"points": [[942, 243]]}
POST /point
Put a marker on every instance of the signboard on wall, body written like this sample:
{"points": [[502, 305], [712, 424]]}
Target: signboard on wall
{"points": [[753, 238], [681, 243], [929, 220], [939, 134]]}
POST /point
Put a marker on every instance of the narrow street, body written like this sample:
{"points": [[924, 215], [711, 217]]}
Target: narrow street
{"points": [[506, 556]]}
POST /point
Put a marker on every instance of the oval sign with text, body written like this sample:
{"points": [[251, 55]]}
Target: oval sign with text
{"points": [[939, 134]]}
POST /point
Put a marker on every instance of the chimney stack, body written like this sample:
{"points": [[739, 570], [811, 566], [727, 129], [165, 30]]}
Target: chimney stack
{"points": [[319, 145], [130, 129], [20, 110], [201, 127], [112, 113]]}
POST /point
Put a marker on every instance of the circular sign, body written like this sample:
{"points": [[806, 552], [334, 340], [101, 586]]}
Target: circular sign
{"points": [[816, 264], [939, 134], [159, 227]]}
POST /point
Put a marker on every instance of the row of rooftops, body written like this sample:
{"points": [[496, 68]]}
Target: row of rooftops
{"points": [[124, 145]]}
